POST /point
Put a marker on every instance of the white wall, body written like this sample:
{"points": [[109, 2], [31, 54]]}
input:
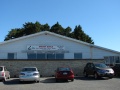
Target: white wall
{"points": [[71, 46]]}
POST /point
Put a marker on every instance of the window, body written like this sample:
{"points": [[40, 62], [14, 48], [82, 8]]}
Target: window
{"points": [[11, 55], [77, 55], [59, 56], [51, 56], [41, 56], [117, 59], [45, 55], [31, 55]]}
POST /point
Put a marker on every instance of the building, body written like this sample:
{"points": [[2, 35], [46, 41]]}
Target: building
{"points": [[49, 46]]}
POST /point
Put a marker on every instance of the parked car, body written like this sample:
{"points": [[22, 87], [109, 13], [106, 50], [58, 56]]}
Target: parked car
{"points": [[29, 74], [4, 73], [64, 73], [116, 69], [98, 70]]}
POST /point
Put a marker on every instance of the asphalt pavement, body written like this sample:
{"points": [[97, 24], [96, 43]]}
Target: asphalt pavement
{"points": [[48, 83]]}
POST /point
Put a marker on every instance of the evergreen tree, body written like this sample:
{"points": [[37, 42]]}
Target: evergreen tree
{"points": [[57, 28], [31, 28]]}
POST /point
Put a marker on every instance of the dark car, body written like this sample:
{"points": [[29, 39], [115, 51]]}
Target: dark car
{"points": [[64, 73], [98, 70], [116, 69]]}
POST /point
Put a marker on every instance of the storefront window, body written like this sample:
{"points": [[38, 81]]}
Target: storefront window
{"points": [[50, 56], [41, 56], [31, 55], [45, 56], [60, 56]]}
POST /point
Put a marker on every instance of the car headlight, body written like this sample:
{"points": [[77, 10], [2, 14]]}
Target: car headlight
{"points": [[22, 74], [111, 71]]}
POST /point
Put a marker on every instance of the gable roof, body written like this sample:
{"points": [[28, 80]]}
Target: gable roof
{"points": [[61, 36]]}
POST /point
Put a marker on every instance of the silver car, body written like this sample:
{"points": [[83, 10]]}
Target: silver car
{"points": [[4, 73], [29, 74]]}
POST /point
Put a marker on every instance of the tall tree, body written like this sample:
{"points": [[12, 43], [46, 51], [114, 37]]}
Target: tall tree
{"points": [[14, 33], [45, 27], [30, 28], [67, 31], [57, 28], [80, 35]]}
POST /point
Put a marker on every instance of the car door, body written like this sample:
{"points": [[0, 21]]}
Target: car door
{"points": [[87, 69], [92, 69]]}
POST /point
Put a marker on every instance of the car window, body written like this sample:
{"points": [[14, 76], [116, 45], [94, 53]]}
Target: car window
{"points": [[101, 65], [1, 68], [88, 65], [92, 66], [29, 69], [64, 69]]}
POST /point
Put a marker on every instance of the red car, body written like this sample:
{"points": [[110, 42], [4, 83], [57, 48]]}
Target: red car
{"points": [[64, 73]]}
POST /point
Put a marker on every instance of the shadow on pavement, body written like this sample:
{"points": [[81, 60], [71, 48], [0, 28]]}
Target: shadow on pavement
{"points": [[89, 78], [52, 80], [16, 82]]}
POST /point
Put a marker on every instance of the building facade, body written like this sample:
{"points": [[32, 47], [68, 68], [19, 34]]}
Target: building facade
{"points": [[47, 51], [48, 45]]}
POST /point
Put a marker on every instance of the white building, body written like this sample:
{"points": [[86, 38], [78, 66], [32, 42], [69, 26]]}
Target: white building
{"points": [[48, 45]]}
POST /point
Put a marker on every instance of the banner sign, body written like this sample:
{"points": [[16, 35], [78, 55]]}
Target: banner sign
{"points": [[35, 47]]}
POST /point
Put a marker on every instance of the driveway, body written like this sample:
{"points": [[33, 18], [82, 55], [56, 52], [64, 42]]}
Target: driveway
{"points": [[80, 83]]}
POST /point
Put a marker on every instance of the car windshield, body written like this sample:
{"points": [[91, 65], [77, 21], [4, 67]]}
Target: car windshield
{"points": [[101, 65], [1, 68], [29, 69], [64, 69]]}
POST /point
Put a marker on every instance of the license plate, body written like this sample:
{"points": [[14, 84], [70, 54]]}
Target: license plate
{"points": [[64, 73]]}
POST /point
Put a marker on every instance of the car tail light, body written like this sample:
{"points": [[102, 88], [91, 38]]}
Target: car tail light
{"points": [[3, 74], [59, 73], [71, 73], [35, 73]]}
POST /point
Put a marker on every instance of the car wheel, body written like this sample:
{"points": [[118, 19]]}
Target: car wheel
{"points": [[72, 80], [96, 76], [4, 79], [56, 80], [38, 81], [85, 74], [20, 81], [110, 77]]}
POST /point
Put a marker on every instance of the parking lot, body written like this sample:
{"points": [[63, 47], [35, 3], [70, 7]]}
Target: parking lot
{"points": [[80, 83]]}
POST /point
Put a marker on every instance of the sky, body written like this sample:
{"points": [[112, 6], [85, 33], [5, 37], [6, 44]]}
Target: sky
{"points": [[100, 19]]}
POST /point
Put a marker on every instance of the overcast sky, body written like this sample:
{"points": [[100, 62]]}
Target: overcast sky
{"points": [[100, 19]]}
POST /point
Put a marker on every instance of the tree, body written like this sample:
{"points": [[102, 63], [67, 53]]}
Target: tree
{"points": [[45, 27], [57, 28], [31, 28], [80, 35], [67, 31], [14, 33]]}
